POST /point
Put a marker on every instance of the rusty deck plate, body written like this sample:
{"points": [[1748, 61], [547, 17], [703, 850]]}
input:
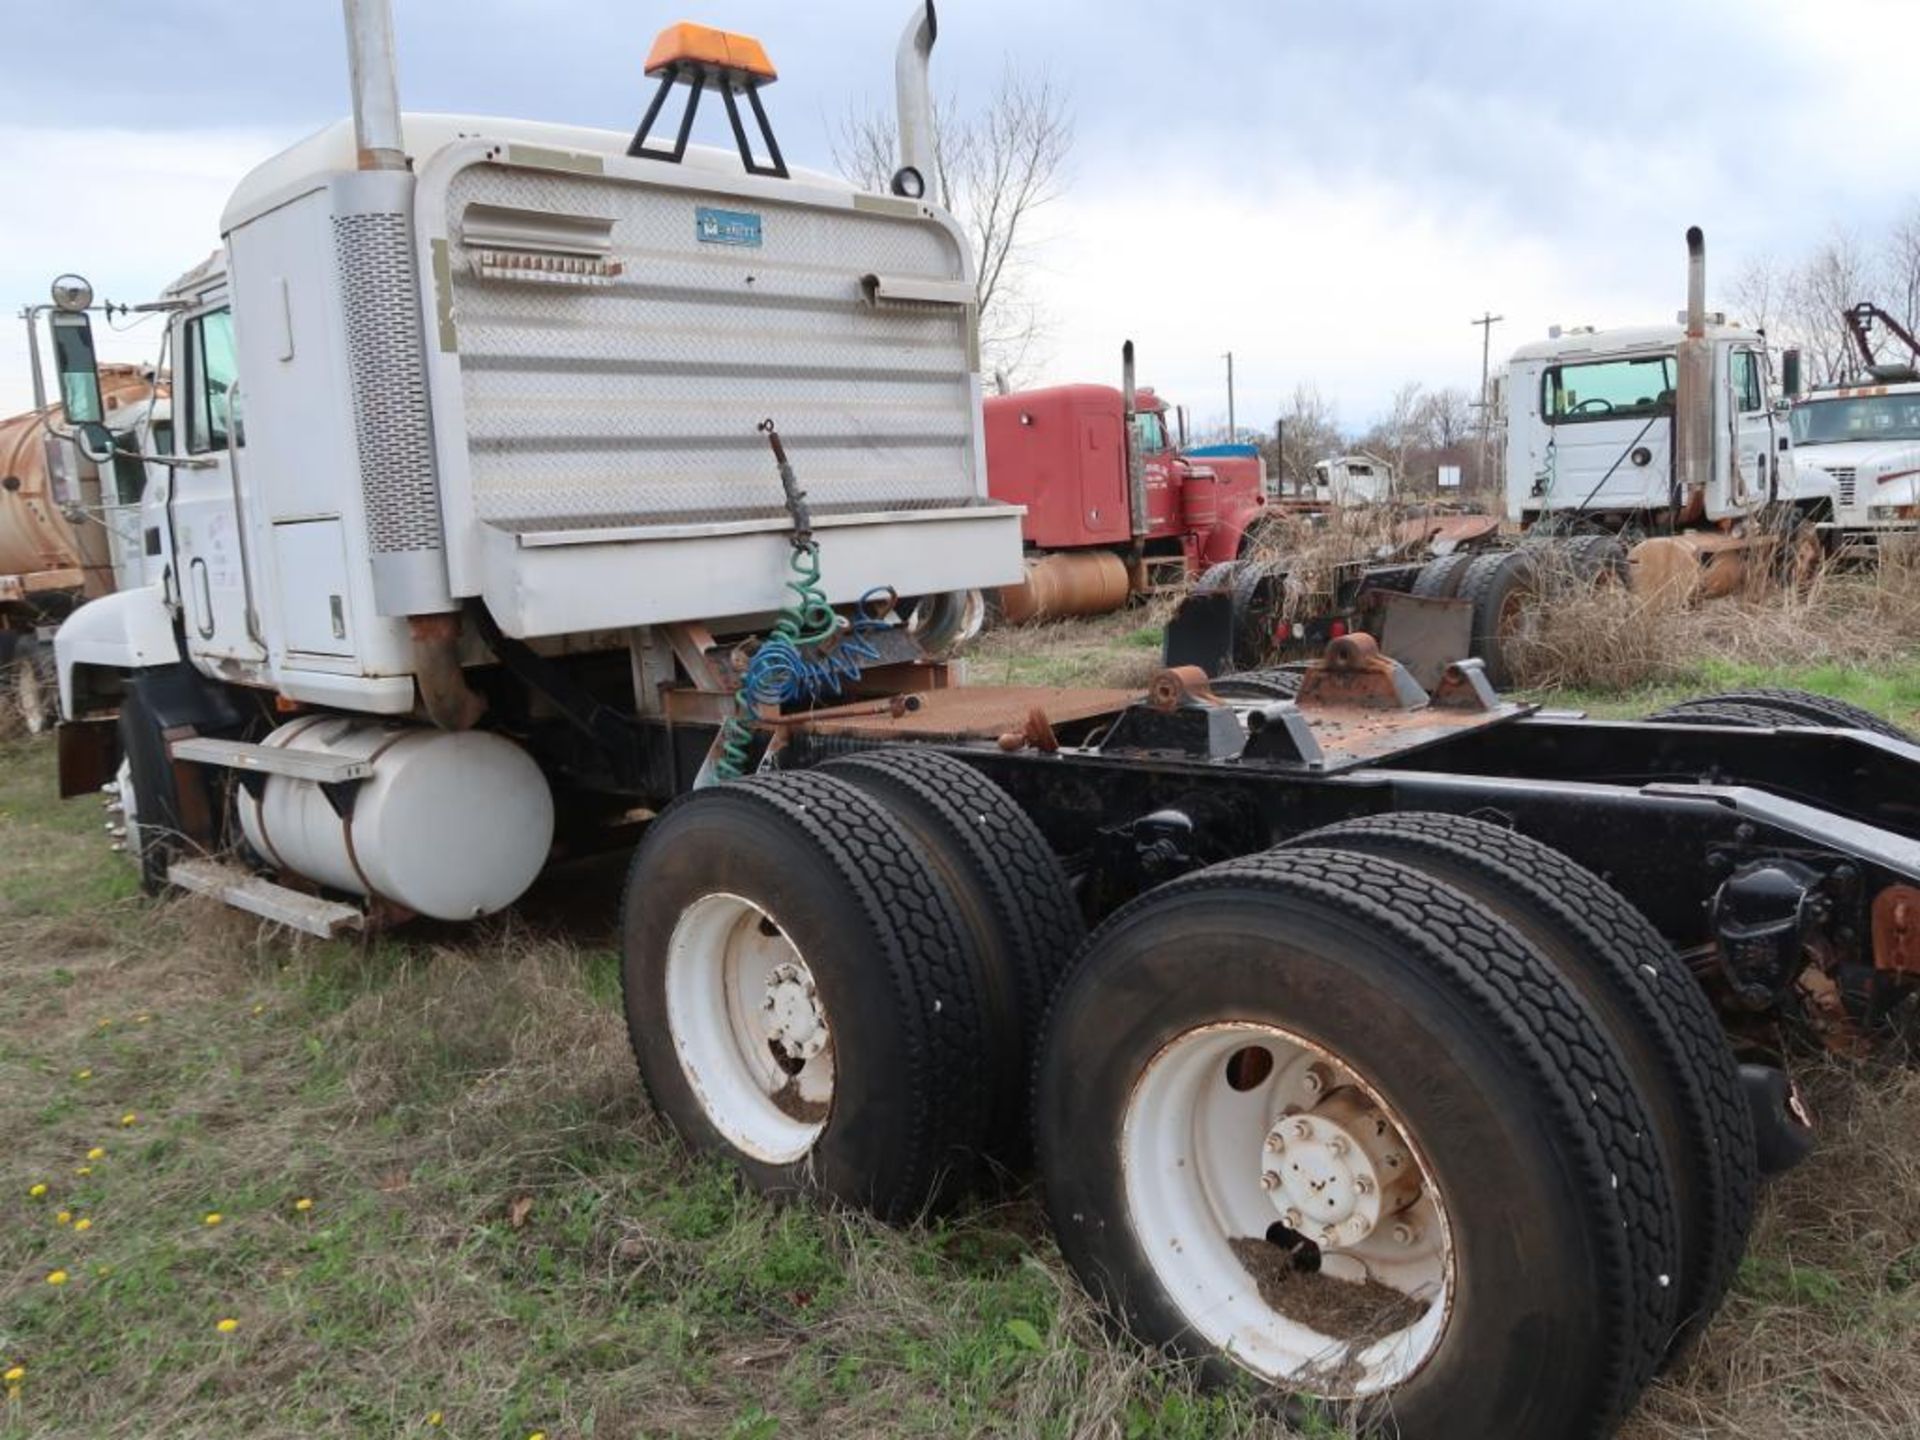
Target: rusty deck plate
{"points": [[1352, 736], [972, 712]]}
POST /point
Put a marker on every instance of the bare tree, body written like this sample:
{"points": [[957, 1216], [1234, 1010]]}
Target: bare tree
{"points": [[1401, 431], [1758, 293], [995, 169], [1831, 280], [1901, 263], [1309, 433], [1444, 419]]}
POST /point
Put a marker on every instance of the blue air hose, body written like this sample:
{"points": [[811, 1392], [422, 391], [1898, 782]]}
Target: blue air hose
{"points": [[796, 661]]}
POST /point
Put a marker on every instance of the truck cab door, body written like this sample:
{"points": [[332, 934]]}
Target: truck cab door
{"points": [[1754, 427], [210, 560]]}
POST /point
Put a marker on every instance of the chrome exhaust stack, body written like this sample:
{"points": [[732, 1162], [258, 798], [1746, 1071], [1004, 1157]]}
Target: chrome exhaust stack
{"points": [[913, 89]]}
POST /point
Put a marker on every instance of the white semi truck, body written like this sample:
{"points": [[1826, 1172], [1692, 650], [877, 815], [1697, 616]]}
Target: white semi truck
{"points": [[1659, 454], [532, 486], [1862, 438], [1671, 432]]}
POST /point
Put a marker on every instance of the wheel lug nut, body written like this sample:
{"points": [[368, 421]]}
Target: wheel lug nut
{"points": [[1293, 1218], [1338, 1145], [1276, 1142], [1302, 1129], [1269, 1180], [1363, 1184], [1404, 1234]]}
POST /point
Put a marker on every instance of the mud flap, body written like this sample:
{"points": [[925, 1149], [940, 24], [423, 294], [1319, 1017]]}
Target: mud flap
{"points": [[1228, 625], [1425, 635]]}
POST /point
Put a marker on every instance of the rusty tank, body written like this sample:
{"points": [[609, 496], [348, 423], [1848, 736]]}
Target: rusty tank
{"points": [[41, 549]]}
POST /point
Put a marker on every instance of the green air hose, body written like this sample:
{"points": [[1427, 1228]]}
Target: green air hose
{"points": [[795, 660]]}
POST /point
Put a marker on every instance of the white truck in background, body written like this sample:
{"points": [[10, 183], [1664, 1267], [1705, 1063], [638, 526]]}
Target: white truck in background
{"points": [[1670, 437], [1862, 438], [1346, 481]]}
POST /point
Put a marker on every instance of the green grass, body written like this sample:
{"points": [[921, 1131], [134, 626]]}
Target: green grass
{"points": [[499, 1231], [502, 1233], [1892, 690]]}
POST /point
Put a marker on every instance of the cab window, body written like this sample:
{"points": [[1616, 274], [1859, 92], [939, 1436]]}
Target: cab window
{"points": [[211, 368], [1746, 381], [1150, 432]]}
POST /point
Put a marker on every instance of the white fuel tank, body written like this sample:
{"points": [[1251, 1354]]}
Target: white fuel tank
{"points": [[452, 825]]}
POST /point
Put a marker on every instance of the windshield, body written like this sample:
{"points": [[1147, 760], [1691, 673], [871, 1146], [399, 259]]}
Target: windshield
{"points": [[1870, 417], [1608, 390]]}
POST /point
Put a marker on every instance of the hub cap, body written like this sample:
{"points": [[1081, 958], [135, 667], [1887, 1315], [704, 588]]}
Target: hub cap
{"points": [[1286, 1212], [750, 1028]]}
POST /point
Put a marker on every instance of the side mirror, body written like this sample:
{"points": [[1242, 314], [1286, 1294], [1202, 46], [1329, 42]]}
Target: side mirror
{"points": [[94, 442], [1790, 374], [78, 368]]}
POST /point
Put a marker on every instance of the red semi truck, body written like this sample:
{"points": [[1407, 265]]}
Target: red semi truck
{"points": [[1114, 506]]}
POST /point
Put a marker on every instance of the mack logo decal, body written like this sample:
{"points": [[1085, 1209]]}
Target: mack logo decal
{"points": [[726, 227]]}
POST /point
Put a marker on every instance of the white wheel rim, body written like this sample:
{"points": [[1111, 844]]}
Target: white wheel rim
{"points": [[1209, 1193], [749, 1027]]}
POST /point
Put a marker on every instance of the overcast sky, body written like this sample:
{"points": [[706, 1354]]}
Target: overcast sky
{"points": [[1330, 190]]}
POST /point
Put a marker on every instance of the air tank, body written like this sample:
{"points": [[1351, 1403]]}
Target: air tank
{"points": [[451, 824]]}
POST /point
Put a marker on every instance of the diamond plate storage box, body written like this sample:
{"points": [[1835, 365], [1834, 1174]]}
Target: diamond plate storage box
{"points": [[603, 336]]}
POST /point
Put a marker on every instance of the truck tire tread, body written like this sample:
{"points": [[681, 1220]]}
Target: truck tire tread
{"points": [[916, 930], [1579, 1075], [1654, 992]]}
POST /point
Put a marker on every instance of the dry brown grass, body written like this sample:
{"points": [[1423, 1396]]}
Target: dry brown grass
{"points": [[1821, 1338], [1314, 550], [1608, 638]]}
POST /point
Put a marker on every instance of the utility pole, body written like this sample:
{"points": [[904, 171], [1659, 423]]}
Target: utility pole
{"points": [[1232, 430], [1486, 323]]}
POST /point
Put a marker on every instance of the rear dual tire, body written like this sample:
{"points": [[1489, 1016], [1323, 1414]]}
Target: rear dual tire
{"points": [[832, 978], [1554, 1297], [799, 996], [1647, 1001]]}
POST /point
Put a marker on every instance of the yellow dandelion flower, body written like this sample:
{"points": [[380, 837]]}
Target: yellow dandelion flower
{"points": [[434, 1418], [83, 1074], [15, 1375], [65, 1217], [38, 1190], [303, 1203], [128, 1118], [98, 1152], [83, 1169], [538, 1435], [227, 1326], [80, 1225], [259, 1009], [56, 1277], [214, 1217]]}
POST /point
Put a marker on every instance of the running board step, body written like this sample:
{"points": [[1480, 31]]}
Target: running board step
{"points": [[272, 760], [233, 886]]}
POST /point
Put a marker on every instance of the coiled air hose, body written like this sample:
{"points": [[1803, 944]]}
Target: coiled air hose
{"points": [[807, 656]]}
